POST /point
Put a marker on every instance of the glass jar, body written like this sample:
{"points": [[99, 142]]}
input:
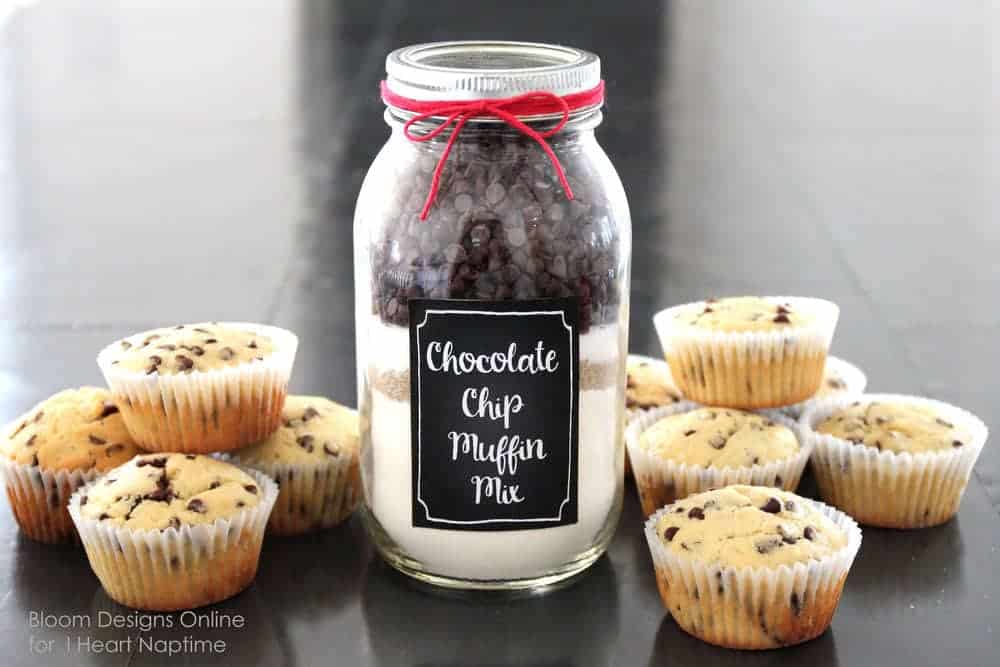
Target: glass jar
{"points": [[492, 335]]}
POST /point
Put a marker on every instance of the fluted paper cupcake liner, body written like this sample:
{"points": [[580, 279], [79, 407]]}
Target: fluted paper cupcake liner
{"points": [[38, 499], [753, 607], [177, 568], [750, 369], [660, 481], [205, 411], [311, 497], [854, 379], [889, 489]]}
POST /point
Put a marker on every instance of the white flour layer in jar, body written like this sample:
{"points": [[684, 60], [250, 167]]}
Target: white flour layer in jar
{"points": [[509, 554]]}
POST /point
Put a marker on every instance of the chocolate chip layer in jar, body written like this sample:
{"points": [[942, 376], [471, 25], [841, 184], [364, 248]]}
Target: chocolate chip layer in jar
{"points": [[512, 286], [205, 387]]}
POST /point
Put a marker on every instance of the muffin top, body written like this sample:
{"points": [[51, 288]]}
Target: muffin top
{"points": [[313, 430], [647, 386], [719, 437], [755, 526], [742, 313], [75, 429], [894, 427], [159, 491], [190, 347]]}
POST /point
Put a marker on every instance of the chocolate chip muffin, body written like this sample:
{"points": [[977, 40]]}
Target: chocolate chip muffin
{"points": [[166, 532], [314, 458], [54, 448], [893, 461], [840, 378], [751, 567], [684, 449], [200, 387], [748, 352]]}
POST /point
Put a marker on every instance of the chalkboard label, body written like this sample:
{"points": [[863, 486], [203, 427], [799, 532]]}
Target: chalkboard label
{"points": [[494, 409]]}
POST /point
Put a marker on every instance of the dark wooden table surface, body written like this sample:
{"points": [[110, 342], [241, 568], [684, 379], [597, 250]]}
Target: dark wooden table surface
{"points": [[201, 160]]}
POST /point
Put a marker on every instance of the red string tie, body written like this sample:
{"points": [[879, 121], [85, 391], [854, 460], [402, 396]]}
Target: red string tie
{"points": [[507, 109]]}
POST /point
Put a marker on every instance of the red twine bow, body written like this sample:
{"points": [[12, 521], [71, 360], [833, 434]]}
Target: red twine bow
{"points": [[506, 109]]}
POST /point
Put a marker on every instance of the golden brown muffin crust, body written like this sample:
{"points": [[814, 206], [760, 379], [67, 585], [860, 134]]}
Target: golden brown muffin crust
{"points": [[749, 526], [74, 429], [159, 491], [186, 348]]}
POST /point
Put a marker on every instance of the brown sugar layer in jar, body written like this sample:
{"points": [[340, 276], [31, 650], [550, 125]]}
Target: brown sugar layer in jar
{"points": [[501, 228]]}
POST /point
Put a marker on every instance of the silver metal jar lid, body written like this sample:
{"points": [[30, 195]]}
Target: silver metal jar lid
{"points": [[473, 70]]}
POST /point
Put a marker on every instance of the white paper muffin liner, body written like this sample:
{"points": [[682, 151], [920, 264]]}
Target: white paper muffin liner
{"points": [[205, 411], [177, 568], [883, 488], [38, 499], [754, 607], [660, 481], [311, 496], [854, 379], [749, 369]]}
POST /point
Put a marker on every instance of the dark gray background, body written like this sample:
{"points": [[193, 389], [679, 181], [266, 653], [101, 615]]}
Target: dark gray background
{"points": [[188, 160]]}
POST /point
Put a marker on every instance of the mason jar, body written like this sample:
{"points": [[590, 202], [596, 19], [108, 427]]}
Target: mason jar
{"points": [[492, 247]]}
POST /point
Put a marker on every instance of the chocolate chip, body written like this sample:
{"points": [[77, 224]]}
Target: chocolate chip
{"points": [[331, 451], [772, 506], [809, 533], [167, 346], [190, 457], [31, 441], [154, 362], [689, 433], [214, 485], [184, 363], [781, 318], [669, 533], [157, 462], [39, 415], [305, 442], [103, 516], [250, 488], [149, 339], [83, 500], [717, 441], [240, 503], [174, 522], [956, 443], [197, 505], [204, 331], [19, 429], [252, 345], [107, 410], [126, 345], [196, 350], [211, 341], [782, 310], [697, 513], [768, 545], [944, 423], [226, 353], [94, 440], [310, 413]]}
